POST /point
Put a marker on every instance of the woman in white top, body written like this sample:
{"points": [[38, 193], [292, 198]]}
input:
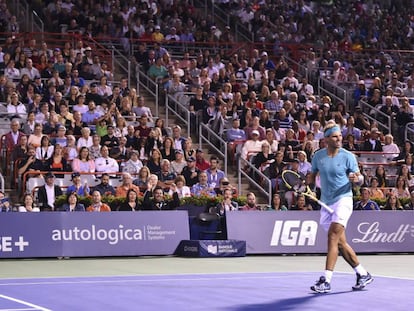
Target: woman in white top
{"points": [[28, 204], [15, 106], [11, 72], [183, 191], [85, 140], [390, 148], [45, 150], [70, 150]]}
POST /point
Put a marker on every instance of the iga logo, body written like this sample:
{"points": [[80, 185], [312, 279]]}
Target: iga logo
{"points": [[294, 233]]}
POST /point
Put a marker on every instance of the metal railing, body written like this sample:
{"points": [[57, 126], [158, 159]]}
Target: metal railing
{"points": [[409, 132], [178, 110], [326, 87], [219, 16], [122, 63], [214, 141], [149, 85], [37, 24], [374, 114], [252, 174]]}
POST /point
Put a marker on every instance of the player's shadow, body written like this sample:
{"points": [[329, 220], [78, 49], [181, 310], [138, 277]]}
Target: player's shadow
{"points": [[288, 304]]}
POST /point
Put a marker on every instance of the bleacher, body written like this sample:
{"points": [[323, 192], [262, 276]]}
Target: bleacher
{"points": [[177, 105]]}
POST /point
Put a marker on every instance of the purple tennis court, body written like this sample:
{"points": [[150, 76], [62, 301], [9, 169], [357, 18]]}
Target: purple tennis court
{"points": [[215, 291]]}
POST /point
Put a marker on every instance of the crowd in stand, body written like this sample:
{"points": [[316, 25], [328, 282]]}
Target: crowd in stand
{"points": [[267, 113]]}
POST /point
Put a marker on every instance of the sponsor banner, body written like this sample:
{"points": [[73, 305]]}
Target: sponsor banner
{"points": [[212, 248], [92, 234], [299, 231]]}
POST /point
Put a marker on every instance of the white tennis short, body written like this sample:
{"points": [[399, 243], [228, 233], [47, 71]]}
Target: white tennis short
{"points": [[342, 212]]}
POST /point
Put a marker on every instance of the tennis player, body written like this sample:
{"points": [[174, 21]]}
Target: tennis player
{"points": [[337, 168]]}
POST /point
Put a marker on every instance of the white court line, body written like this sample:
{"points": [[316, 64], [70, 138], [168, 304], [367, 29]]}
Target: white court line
{"points": [[35, 307], [136, 281], [154, 280], [20, 309]]}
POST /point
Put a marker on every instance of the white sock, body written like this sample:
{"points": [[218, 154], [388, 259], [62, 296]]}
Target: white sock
{"points": [[360, 270], [328, 275]]}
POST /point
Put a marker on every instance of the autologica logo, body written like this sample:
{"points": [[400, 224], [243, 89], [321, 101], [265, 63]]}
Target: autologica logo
{"points": [[112, 236]]}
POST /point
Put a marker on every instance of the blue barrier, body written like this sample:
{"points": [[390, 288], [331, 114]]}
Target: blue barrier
{"points": [[299, 232], [82, 234]]}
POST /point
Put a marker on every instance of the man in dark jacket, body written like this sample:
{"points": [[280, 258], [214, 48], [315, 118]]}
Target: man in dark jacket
{"points": [[48, 193], [154, 199]]}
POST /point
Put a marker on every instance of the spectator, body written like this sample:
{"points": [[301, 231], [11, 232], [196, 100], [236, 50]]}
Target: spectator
{"points": [[301, 204], [226, 205], [44, 151], [131, 202], [251, 146], [251, 204], [154, 162], [57, 161], [13, 137], [134, 164], [104, 188], [19, 151], [410, 204], [214, 174], [390, 149], [48, 193], [61, 138], [141, 109], [15, 106], [381, 176], [165, 176], [5, 205], [143, 178], [178, 164], [183, 190], [350, 143], [365, 202], [304, 165], [77, 187], [29, 162], [203, 188], [97, 205], [106, 164], [91, 116], [154, 199], [28, 204], [406, 149], [191, 172], [401, 188], [277, 203], [72, 204], [110, 140], [264, 158], [372, 142], [393, 203], [376, 193], [83, 163], [85, 140], [121, 190]]}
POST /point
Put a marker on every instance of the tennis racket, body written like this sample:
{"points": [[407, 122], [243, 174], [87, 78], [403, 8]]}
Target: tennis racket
{"points": [[294, 182]]}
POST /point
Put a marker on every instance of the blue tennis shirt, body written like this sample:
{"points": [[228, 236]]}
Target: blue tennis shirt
{"points": [[334, 173]]}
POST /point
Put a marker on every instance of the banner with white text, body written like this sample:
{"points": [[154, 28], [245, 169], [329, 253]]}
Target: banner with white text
{"points": [[82, 234], [299, 231]]}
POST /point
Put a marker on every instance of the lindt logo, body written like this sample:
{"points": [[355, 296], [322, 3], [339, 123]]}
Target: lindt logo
{"points": [[371, 233]]}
